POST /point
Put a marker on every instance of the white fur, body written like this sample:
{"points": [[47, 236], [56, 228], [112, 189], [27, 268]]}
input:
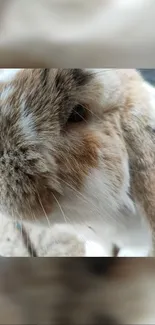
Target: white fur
{"points": [[6, 93], [150, 114], [151, 108], [27, 123], [93, 249], [93, 214], [109, 82], [127, 252]]}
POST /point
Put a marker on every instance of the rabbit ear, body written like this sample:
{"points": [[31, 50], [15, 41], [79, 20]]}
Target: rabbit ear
{"points": [[138, 126]]}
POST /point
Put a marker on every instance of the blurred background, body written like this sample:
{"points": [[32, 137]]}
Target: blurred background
{"points": [[149, 75], [77, 33]]}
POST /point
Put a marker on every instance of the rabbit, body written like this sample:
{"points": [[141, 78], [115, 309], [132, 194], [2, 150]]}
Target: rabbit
{"points": [[77, 148], [77, 291]]}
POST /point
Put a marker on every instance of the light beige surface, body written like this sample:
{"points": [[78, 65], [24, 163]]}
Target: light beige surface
{"points": [[54, 241], [11, 243], [77, 33]]}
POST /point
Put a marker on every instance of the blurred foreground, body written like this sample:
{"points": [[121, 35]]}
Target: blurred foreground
{"points": [[77, 291], [67, 33]]}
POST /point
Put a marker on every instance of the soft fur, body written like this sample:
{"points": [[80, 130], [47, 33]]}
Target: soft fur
{"points": [[97, 175], [77, 291]]}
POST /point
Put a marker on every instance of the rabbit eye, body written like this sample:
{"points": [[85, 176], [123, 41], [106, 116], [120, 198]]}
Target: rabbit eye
{"points": [[78, 114]]}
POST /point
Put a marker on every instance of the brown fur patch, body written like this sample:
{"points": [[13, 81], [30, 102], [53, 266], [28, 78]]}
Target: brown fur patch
{"points": [[80, 159]]}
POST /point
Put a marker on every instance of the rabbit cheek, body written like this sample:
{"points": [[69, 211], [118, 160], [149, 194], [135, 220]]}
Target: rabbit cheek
{"points": [[79, 160]]}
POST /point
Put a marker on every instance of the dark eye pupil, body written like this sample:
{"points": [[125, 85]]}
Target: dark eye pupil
{"points": [[78, 114]]}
